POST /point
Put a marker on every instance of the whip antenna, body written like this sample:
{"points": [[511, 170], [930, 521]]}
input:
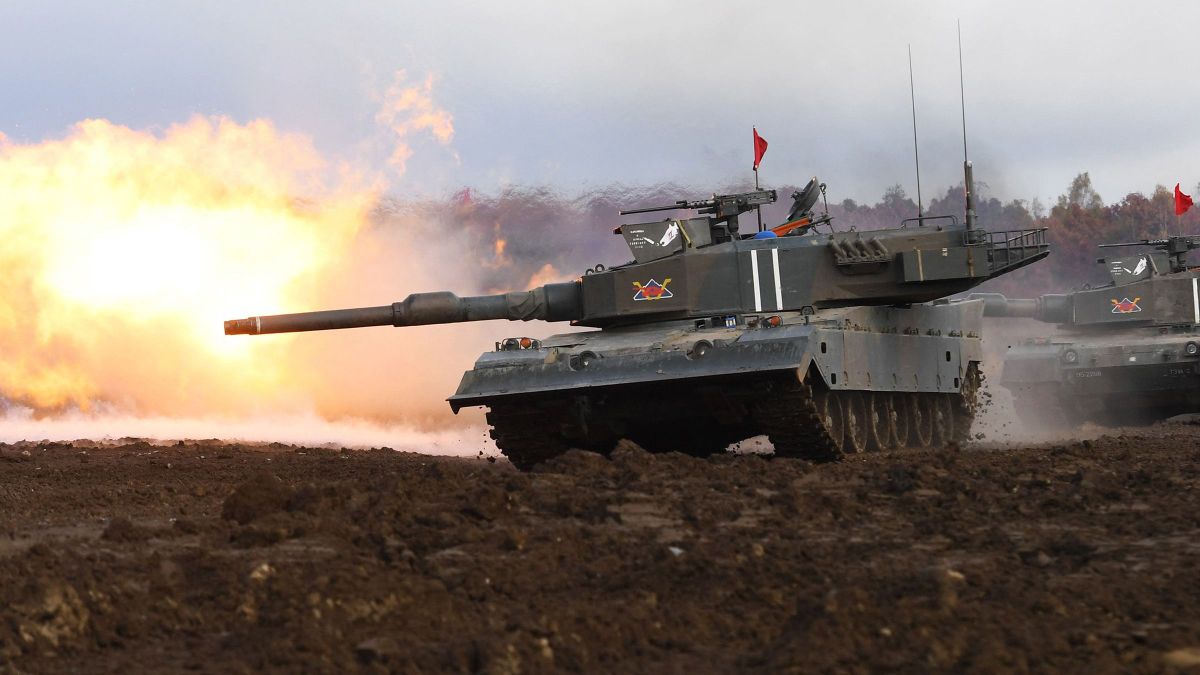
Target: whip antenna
{"points": [[912, 91], [968, 177], [961, 89]]}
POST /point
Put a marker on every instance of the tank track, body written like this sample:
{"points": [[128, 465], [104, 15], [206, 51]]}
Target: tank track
{"points": [[966, 404], [790, 418], [793, 420], [523, 437], [802, 420]]}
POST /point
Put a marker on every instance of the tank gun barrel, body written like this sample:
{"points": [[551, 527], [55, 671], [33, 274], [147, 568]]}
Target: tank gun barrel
{"points": [[552, 302], [1051, 308], [681, 204]]}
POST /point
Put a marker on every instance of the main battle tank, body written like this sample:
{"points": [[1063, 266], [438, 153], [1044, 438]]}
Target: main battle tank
{"points": [[824, 341], [1126, 353]]}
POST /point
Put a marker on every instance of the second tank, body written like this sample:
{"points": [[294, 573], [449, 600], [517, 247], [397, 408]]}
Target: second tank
{"points": [[1125, 353]]}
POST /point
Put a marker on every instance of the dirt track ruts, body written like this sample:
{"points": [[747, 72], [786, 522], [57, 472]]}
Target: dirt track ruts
{"points": [[209, 557]]}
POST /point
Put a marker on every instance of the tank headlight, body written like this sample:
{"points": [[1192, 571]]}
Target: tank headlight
{"points": [[1191, 349], [699, 350], [515, 344], [1070, 356], [582, 360]]}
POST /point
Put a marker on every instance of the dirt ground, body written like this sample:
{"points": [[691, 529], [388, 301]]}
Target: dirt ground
{"points": [[223, 558]]}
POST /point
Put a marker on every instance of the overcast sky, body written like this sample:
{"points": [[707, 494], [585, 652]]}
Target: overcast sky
{"points": [[580, 95]]}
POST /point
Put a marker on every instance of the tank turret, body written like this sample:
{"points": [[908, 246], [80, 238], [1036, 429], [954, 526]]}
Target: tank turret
{"points": [[1151, 288], [699, 268], [821, 339]]}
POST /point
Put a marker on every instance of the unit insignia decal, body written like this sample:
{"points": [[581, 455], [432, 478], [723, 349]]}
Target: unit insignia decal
{"points": [[652, 290], [1137, 269], [1125, 306]]}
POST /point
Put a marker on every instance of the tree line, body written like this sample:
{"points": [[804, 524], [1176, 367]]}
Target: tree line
{"points": [[516, 233]]}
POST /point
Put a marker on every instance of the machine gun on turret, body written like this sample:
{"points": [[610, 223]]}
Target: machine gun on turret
{"points": [[721, 207], [1176, 249]]}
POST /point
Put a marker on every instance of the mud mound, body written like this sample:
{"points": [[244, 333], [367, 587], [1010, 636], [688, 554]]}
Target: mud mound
{"points": [[122, 529], [260, 496], [219, 558]]}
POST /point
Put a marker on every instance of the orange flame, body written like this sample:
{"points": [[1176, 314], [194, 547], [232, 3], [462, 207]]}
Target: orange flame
{"points": [[124, 250], [547, 274]]}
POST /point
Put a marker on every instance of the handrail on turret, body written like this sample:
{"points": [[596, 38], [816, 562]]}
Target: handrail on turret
{"points": [[1010, 247], [920, 219]]}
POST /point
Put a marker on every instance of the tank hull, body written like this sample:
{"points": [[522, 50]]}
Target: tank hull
{"points": [[1118, 378], [698, 388]]}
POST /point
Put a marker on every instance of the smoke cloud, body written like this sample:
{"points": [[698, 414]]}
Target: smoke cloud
{"points": [[408, 109]]}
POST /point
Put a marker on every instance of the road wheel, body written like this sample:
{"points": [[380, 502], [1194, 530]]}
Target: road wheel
{"points": [[920, 416], [966, 403], [829, 409], [857, 422], [943, 419], [880, 421], [901, 418]]}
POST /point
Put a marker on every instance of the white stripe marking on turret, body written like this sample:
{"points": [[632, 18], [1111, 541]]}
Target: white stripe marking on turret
{"points": [[778, 286], [754, 274], [1195, 301]]}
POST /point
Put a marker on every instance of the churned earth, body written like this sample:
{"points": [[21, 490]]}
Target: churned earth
{"points": [[212, 557]]}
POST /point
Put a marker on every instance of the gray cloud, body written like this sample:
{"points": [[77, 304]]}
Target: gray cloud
{"points": [[580, 94]]}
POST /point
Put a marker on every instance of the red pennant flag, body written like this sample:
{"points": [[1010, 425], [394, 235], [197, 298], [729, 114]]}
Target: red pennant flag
{"points": [[1182, 202], [760, 148]]}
